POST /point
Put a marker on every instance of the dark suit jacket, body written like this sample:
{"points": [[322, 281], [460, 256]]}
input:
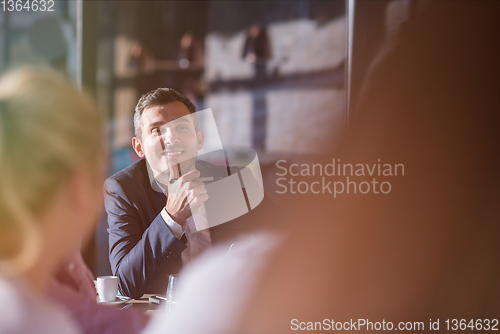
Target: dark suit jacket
{"points": [[142, 249]]}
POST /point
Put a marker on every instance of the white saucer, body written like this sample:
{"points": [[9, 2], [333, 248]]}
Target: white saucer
{"points": [[119, 300]]}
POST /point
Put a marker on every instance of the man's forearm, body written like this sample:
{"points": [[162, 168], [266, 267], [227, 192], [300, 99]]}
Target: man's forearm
{"points": [[138, 265]]}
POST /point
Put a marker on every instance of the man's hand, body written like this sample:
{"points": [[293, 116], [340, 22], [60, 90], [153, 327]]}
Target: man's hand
{"points": [[185, 194]]}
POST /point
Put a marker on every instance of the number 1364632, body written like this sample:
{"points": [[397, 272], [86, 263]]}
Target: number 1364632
{"points": [[27, 5]]}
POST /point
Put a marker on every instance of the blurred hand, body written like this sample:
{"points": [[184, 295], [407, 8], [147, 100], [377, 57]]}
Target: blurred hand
{"points": [[75, 274], [185, 194]]}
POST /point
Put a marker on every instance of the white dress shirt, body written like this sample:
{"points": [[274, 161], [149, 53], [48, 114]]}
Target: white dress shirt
{"points": [[197, 233]]}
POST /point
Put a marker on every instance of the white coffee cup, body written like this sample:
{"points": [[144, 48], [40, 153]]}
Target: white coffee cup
{"points": [[107, 288]]}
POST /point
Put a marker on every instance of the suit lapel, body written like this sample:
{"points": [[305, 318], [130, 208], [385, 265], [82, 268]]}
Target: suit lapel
{"points": [[153, 192], [220, 233]]}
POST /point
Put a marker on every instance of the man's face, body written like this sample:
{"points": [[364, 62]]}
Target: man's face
{"points": [[168, 135]]}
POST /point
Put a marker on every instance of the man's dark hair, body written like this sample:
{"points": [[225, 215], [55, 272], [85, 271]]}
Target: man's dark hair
{"points": [[159, 97]]}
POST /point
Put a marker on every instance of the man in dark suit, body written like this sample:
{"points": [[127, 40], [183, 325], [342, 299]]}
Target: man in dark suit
{"points": [[156, 205]]}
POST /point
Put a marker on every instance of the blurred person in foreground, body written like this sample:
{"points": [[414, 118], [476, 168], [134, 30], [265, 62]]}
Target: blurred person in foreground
{"points": [[429, 249], [50, 177], [50, 161]]}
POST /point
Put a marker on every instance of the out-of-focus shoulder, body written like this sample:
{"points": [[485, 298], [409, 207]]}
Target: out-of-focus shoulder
{"points": [[24, 311]]}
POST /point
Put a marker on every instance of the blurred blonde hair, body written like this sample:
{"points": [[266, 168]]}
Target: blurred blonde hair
{"points": [[47, 130]]}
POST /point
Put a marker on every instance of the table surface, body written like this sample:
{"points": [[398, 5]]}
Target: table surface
{"points": [[143, 305]]}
